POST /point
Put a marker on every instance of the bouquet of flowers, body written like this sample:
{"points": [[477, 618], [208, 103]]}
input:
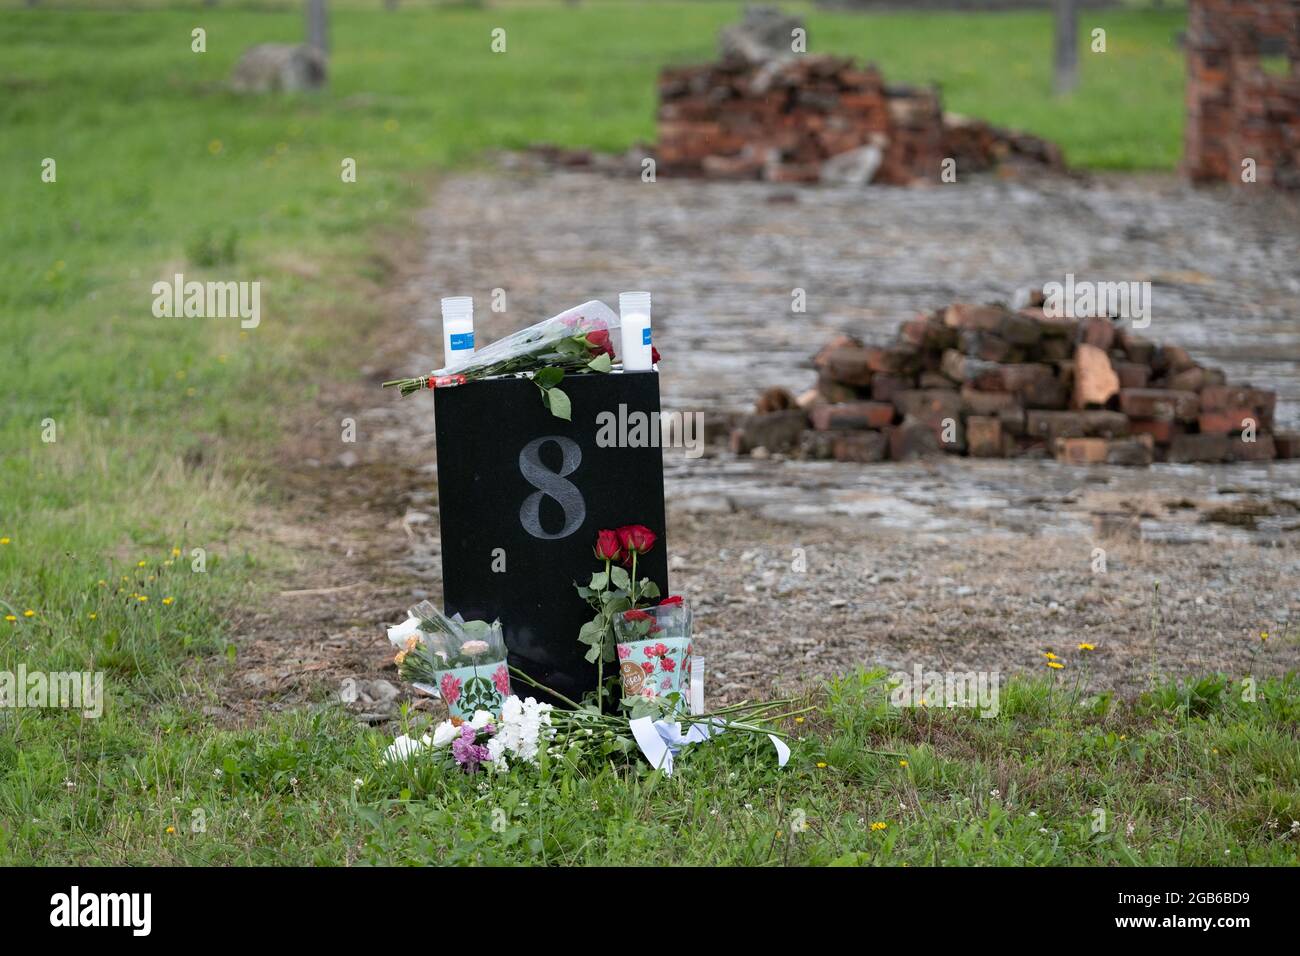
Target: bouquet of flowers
{"points": [[627, 612], [578, 340], [484, 740], [464, 662]]}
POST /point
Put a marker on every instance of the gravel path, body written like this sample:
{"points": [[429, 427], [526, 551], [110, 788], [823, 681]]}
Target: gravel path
{"points": [[812, 569]]}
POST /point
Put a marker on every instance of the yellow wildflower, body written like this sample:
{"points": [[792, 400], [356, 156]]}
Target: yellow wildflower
{"points": [[1086, 647], [878, 826], [820, 765], [168, 600], [1049, 655], [1055, 665], [29, 613]]}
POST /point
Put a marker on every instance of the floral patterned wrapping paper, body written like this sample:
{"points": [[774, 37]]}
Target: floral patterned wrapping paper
{"points": [[654, 651], [474, 687]]}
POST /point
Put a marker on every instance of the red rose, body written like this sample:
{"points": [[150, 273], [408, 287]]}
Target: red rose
{"points": [[636, 538], [598, 342], [654, 354], [675, 599], [607, 546], [635, 615]]}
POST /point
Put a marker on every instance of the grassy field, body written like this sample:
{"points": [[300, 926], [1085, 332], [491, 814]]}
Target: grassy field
{"points": [[131, 454]]}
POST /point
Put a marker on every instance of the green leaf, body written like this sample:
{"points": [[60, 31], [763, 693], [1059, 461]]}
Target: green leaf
{"points": [[620, 578], [601, 363], [599, 581], [548, 377], [572, 346], [649, 588], [559, 404]]}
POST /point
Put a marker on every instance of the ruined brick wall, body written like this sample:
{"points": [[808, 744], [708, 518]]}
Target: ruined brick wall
{"points": [[783, 120], [1243, 91]]}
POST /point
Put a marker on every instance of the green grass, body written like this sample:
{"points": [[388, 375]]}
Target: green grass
{"points": [[1053, 779], [162, 427]]}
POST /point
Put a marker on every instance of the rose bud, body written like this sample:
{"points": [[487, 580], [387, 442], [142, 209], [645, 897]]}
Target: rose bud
{"points": [[674, 599], [636, 538], [607, 546], [598, 342]]}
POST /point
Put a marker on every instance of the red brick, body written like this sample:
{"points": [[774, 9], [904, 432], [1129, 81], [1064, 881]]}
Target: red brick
{"points": [[1188, 380], [913, 439], [1138, 349], [1137, 452], [1097, 332], [984, 436], [864, 446], [849, 365], [1200, 448], [1159, 403], [975, 402], [928, 405], [1081, 451], [885, 387], [852, 415], [1231, 397], [1219, 422], [1095, 382], [1162, 431], [1132, 374], [982, 318], [1261, 449], [1287, 444], [1172, 359]]}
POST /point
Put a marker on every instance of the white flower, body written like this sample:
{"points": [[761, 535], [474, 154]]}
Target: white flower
{"points": [[445, 733], [403, 748], [400, 634], [474, 648], [524, 724], [481, 719]]}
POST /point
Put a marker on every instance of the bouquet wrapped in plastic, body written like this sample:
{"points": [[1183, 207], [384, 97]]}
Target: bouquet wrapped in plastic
{"points": [[578, 340], [464, 662]]}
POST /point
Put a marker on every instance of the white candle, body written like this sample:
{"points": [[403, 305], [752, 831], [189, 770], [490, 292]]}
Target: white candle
{"points": [[634, 318], [457, 329]]}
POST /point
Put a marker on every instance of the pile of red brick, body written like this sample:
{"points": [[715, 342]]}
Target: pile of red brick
{"points": [[992, 382], [1236, 109], [782, 119]]}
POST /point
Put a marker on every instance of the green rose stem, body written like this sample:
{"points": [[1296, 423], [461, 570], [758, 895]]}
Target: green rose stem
{"points": [[600, 655], [540, 686]]}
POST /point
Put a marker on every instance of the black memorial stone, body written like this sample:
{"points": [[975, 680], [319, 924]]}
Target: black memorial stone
{"points": [[521, 495]]}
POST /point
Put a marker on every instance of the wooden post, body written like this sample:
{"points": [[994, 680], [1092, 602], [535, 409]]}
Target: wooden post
{"points": [[1066, 62], [318, 32]]}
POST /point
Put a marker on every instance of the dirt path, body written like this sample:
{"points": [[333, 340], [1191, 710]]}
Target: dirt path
{"points": [[803, 570]]}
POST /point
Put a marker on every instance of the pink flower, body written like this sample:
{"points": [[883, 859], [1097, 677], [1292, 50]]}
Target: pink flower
{"points": [[660, 650], [668, 664], [624, 652], [501, 677], [450, 689], [648, 667], [468, 753], [667, 683]]}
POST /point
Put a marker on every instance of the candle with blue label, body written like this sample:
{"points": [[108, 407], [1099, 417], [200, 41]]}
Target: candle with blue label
{"points": [[457, 329], [634, 319]]}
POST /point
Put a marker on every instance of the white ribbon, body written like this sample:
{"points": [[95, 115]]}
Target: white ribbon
{"points": [[661, 740]]}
